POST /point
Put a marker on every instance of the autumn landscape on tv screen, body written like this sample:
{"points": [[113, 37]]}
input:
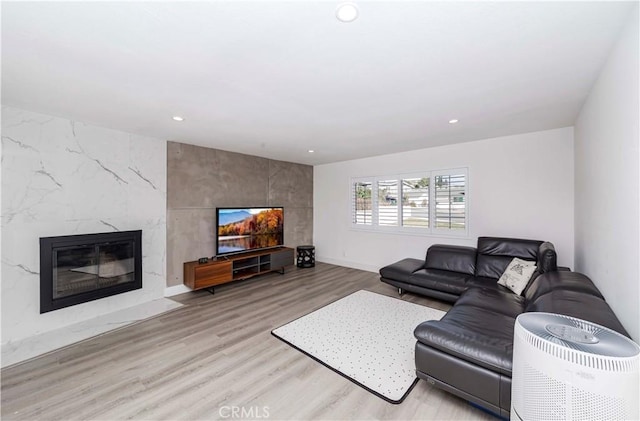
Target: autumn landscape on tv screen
{"points": [[249, 228]]}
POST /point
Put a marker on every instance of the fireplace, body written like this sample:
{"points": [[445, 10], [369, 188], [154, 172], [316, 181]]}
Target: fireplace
{"points": [[75, 269]]}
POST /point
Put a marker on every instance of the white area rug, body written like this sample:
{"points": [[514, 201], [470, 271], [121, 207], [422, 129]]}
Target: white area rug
{"points": [[366, 337]]}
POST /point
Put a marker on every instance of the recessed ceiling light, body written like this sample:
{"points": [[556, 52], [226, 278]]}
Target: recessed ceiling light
{"points": [[453, 121], [347, 12], [311, 151], [178, 118]]}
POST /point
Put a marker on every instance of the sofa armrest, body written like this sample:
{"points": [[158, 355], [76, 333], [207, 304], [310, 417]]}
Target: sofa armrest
{"points": [[458, 259], [547, 258], [402, 270]]}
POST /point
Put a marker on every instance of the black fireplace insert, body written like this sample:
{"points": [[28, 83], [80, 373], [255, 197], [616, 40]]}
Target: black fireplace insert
{"points": [[75, 269]]}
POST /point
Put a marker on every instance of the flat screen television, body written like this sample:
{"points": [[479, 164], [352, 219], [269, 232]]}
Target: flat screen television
{"points": [[246, 229]]}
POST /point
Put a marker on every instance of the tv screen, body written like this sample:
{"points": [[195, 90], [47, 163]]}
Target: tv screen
{"points": [[244, 229]]}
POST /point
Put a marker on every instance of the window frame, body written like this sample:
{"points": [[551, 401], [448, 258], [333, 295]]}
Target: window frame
{"points": [[432, 229]]}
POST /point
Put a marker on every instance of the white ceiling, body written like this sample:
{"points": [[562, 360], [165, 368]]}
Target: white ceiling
{"points": [[275, 79]]}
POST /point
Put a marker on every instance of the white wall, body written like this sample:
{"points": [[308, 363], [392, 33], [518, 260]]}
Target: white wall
{"points": [[519, 186], [63, 178], [607, 189]]}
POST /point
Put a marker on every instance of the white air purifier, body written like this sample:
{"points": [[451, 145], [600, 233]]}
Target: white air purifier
{"points": [[570, 369]]}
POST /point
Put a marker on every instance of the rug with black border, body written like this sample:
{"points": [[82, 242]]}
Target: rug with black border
{"points": [[365, 337]]}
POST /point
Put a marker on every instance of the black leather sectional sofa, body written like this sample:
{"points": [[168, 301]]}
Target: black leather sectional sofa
{"points": [[469, 351]]}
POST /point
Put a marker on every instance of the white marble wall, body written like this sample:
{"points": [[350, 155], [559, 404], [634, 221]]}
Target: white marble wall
{"points": [[61, 177]]}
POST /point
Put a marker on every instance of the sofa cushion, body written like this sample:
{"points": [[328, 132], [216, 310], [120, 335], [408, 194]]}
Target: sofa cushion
{"points": [[482, 282], [565, 280], [478, 335], [499, 300], [400, 271], [452, 258], [578, 304], [495, 254], [441, 280]]}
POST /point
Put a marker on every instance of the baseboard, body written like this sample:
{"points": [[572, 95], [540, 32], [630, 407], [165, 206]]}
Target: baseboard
{"points": [[349, 264], [175, 290]]}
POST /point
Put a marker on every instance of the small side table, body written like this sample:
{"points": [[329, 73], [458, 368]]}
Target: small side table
{"points": [[306, 256]]}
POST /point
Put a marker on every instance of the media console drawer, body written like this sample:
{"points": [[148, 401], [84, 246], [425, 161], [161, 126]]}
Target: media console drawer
{"points": [[208, 275], [236, 267]]}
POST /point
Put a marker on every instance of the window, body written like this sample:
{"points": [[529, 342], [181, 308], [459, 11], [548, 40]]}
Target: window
{"points": [[429, 202], [361, 199], [415, 202], [450, 206], [388, 203]]}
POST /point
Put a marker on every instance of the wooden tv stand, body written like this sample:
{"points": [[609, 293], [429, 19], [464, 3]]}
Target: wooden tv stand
{"points": [[235, 267]]}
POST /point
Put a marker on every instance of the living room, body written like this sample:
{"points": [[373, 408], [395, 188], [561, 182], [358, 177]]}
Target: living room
{"points": [[547, 135]]}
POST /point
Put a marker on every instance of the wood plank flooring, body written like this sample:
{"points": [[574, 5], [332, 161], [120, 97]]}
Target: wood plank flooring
{"points": [[215, 358]]}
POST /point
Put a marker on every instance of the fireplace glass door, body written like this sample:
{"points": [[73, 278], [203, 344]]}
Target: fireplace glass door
{"points": [[87, 268]]}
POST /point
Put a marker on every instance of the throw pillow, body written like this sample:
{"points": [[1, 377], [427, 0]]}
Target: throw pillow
{"points": [[517, 275]]}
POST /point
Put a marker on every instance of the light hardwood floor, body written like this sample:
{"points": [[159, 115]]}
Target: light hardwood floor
{"points": [[214, 356]]}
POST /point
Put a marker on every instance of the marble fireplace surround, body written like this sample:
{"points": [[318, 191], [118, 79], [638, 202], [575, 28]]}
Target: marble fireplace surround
{"points": [[61, 177]]}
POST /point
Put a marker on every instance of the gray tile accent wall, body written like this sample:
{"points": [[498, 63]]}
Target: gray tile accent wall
{"points": [[200, 179]]}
